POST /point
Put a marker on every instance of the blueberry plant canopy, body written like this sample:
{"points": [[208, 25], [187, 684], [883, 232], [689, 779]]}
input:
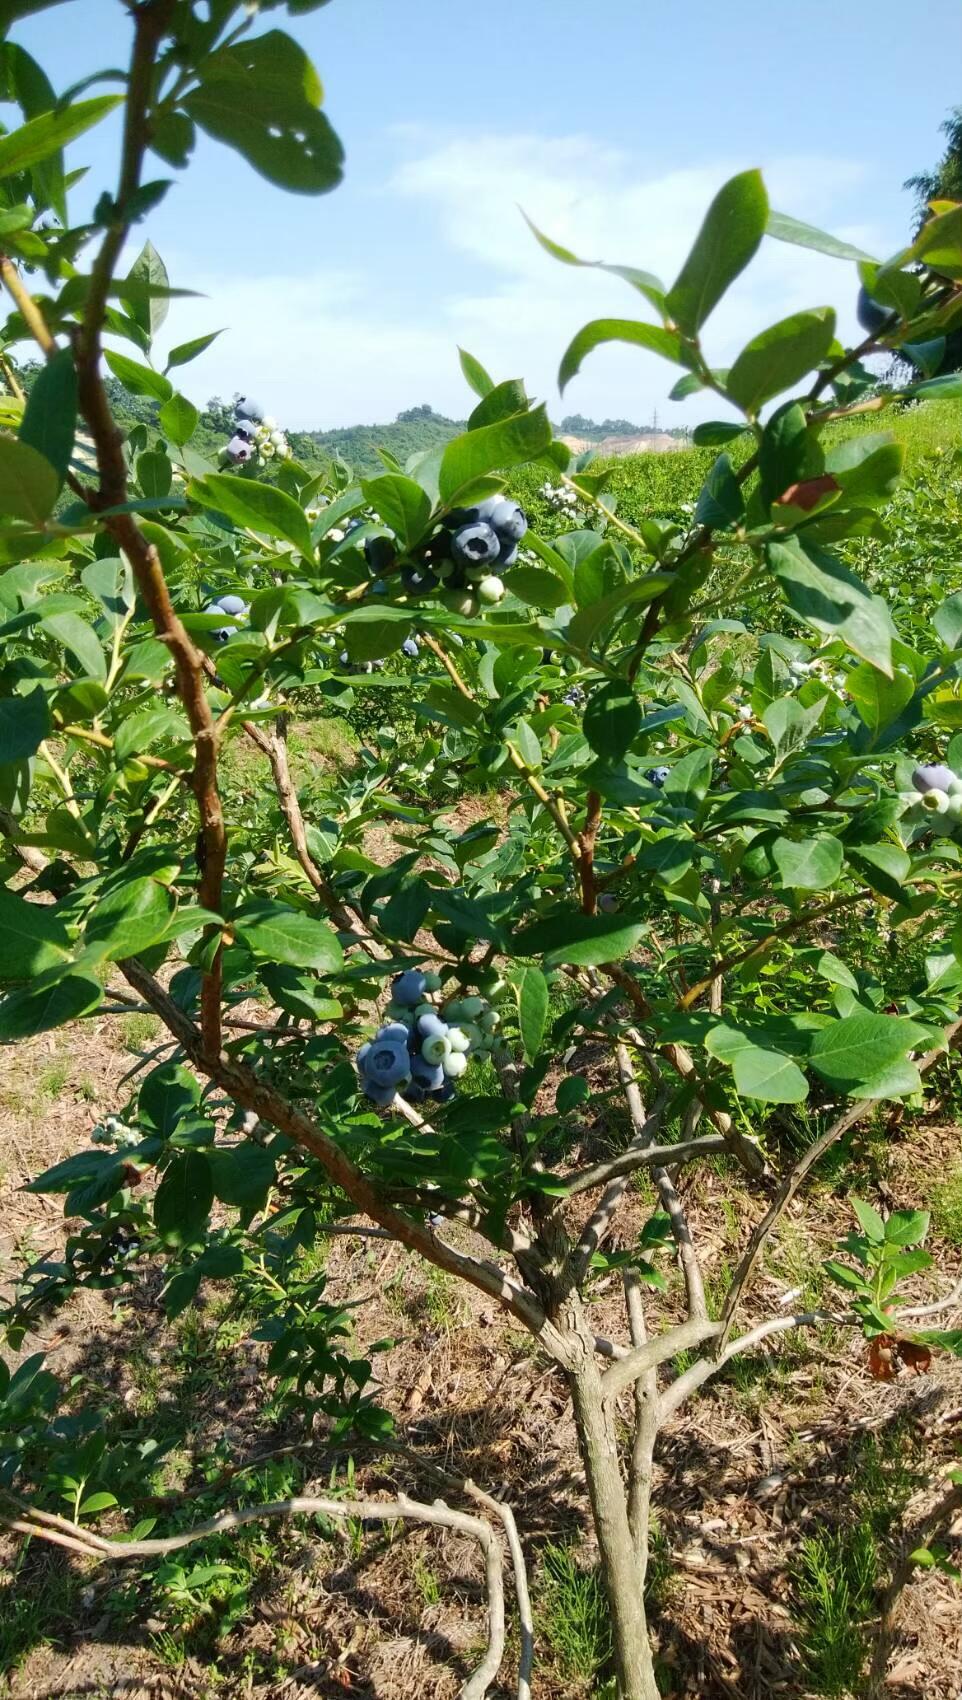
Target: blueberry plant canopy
{"points": [[728, 859]]}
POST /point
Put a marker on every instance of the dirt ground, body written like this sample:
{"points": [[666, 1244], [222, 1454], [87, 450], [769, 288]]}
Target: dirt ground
{"points": [[761, 1461]]}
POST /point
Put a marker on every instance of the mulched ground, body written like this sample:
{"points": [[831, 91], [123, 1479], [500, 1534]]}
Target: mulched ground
{"points": [[746, 1472]]}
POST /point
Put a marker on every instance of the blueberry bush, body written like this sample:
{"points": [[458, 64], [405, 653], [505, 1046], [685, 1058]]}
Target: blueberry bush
{"points": [[726, 855]]}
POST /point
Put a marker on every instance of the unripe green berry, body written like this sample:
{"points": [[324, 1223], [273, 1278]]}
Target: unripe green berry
{"points": [[491, 589]]}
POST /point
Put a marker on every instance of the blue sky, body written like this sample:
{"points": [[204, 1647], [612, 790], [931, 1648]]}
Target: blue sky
{"points": [[612, 125]]}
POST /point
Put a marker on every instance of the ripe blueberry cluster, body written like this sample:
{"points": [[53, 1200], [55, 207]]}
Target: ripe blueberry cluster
{"points": [[235, 607], [574, 697], [424, 1048], [465, 557], [657, 775], [936, 793], [256, 435]]}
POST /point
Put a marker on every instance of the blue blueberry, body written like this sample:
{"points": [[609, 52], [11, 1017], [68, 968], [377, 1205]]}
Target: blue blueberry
{"points": [[410, 648], [378, 553], [657, 776], [238, 449], [233, 605], [426, 1076], [245, 408], [506, 516], [475, 545], [574, 696], [870, 313], [418, 579], [936, 777], [430, 1026], [507, 554], [409, 988]]}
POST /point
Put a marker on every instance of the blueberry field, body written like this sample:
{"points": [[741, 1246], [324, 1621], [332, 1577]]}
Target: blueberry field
{"points": [[480, 941]]}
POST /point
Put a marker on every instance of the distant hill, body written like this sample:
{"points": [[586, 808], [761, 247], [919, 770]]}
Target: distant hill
{"points": [[414, 430]]}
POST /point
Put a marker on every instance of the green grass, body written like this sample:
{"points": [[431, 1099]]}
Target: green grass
{"points": [[839, 1572], [836, 1579], [37, 1601], [947, 1207], [574, 1613], [137, 1031]]}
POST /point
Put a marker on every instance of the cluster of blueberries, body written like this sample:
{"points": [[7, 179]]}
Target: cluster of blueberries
{"points": [[256, 435], [423, 1048], [235, 607], [937, 792], [465, 557]]}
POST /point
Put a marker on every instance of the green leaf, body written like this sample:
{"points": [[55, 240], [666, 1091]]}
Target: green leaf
{"points": [[242, 1175], [81, 640], [259, 506], [167, 1094], [186, 351], [612, 720], [823, 593], [138, 379], [97, 1502], [860, 1053], [711, 433], [29, 485], [536, 587], [24, 723], [177, 419], [128, 919], [582, 940], [531, 990], [947, 620], [400, 503], [633, 331], [670, 857], [808, 864], [645, 282], [768, 1076], [907, 1227], [146, 277], [34, 937], [572, 1091], [720, 503], [301, 994], [879, 700], [475, 374], [281, 934], [884, 867], [37, 1010], [261, 97], [50, 416], [509, 442], [778, 358], [45, 135], [729, 237], [786, 229], [866, 468], [503, 402], [183, 1199], [869, 1221]]}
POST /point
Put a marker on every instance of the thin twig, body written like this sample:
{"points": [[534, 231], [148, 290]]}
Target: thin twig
{"points": [[401, 1508]]}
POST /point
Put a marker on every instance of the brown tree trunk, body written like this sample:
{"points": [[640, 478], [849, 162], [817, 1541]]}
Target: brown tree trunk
{"points": [[622, 1564]]}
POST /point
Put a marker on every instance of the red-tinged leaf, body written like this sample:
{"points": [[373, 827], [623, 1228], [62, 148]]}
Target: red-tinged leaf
{"points": [[881, 1357], [808, 494], [916, 1358]]}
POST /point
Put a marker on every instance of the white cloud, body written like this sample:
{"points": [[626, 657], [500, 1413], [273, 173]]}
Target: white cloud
{"points": [[321, 348]]}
